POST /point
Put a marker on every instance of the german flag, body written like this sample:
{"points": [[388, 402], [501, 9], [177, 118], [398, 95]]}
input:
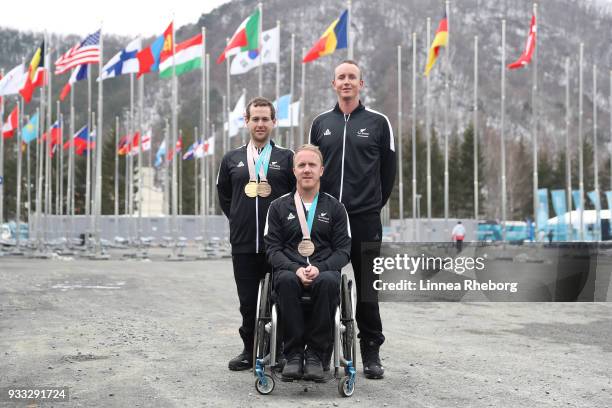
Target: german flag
{"points": [[36, 74], [440, 39]]}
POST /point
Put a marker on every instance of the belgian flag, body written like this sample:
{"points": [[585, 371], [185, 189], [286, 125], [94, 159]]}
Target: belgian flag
{"points": [[36, 74]]}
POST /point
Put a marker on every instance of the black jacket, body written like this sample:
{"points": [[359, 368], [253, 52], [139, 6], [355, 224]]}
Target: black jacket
{"points": [[330, 234], [247, 216], [359, 157]]}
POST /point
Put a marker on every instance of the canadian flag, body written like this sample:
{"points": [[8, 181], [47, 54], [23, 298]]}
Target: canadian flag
{"points": [[525, 57], [8, 128]]}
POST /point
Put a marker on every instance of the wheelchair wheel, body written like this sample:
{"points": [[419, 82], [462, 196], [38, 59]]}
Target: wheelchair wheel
{"points": [[267, 388], [349, 343], [345, 388], [262, 342]]}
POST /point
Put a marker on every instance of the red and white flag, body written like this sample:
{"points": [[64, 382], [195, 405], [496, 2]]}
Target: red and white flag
{"points": [[8, 128], [525, 57]]}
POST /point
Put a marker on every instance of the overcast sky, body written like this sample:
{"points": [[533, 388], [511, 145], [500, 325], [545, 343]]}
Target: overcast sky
{"points": [[124, 17]]}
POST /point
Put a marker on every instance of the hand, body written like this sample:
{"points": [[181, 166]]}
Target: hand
{"points": [[301, 274], [311, 272]]}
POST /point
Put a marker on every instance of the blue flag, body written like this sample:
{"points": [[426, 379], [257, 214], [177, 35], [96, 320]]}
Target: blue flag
{"points": [[542, 208], [30, 131], [577, 201], [594, 199], [161, 154]]}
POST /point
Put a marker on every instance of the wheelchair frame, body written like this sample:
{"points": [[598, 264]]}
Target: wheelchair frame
{"points": [[266, 339]]}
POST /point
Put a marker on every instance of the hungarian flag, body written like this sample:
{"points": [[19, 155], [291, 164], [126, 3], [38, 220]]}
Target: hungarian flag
{"points": [[188, 56], [8, 128], [440, 39], [245, 38], [150, 57], [334, 38], [525, 57], [36, 74]]}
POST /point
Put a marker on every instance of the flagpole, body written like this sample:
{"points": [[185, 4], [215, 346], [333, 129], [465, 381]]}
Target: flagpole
{"points": [[475, 129], [349, 31], [179, 163], [203, 186], [29, 186], [116, 157], [166, 165], [446, 113], [89, 125], [303, 137], [580, 147], [18, 181], [91, 216], [227, 105], [213, 161], [59, 162], [428, 135], [130, 159], [534, 124], [39, 172], [48, 179], [503, 134], [414, 135], [291, 90], [597, 228], [126, 184], [212, 202], [610, 85], [174, 136], [71, 184], [277, 86], [140, 175], [568, 159], [195, 172], [400, 160], [2, 158], [259, 42]]}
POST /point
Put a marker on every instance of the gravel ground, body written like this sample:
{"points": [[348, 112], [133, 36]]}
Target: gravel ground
{"points": [[132, 333]]}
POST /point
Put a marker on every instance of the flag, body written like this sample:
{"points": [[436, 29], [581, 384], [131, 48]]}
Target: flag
{"points": [[82, 141], [137, 140], [146, 141], [86, 52], [191, 152], [236, 117], [12, 82], [542, 213], [334, 38], [150, 57], [36, 74], [285, 110], [30, 131], [188, 56], [594, 198], [124, 145], [161, 154], [525, 57], [8, 128], [55, 133], [124, 62], [247, 60], [208, 146], [78, 74], [440, 39], [577, 199], [245, 38]]}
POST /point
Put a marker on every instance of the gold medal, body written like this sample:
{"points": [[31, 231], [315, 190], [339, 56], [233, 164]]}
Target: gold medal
{"points": [[264, 189], [306, 247], [250, 189]]}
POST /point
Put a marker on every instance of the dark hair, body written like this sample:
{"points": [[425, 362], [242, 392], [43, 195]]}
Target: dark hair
{"points": [[260, 101], [352, 62]]}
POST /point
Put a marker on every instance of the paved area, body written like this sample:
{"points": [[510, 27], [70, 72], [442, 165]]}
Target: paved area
{"points": [[131, 333]]}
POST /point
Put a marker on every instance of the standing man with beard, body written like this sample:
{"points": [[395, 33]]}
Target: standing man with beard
{"points": [[250, 178], [360, 163]]}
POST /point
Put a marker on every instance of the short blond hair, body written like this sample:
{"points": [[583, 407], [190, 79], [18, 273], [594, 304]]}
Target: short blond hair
{"points": [[310, 148]]}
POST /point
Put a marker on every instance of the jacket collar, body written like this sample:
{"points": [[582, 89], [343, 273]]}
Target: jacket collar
{"points": [[359, 107]]}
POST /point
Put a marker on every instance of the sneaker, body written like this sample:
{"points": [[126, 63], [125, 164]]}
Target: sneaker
{"points": [[242, 361], [294, 368], [313, 369], [372, 368]]}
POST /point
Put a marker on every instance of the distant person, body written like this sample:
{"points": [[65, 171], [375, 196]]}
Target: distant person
{"points": [[458, 235], [250, 178], [551, 235]]}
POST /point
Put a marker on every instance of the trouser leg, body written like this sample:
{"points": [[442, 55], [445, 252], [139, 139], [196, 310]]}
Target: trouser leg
{"points": [[288, 291], [366, 228], [325, 299], [249, 269]]}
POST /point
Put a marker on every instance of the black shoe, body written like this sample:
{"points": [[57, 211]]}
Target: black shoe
{"points": [[242, 361], [372, 368], [294, 368], [313, 370]]}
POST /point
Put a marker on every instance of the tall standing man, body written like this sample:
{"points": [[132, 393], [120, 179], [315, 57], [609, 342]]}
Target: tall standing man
{"points": [[359, 159], [250, 178]]}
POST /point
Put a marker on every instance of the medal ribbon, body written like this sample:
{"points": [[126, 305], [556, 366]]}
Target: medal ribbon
{"points": [[305, 225], [263, 161]]}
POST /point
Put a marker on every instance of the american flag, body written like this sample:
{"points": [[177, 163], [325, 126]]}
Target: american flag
{"points": [[87, 52]]}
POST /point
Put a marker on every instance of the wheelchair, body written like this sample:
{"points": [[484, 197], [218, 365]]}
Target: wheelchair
{"points": [[267, 364]]}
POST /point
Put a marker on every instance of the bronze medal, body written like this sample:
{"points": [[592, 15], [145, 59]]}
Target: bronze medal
{"points": [[306, 247], [250, 189], [264, 189]]}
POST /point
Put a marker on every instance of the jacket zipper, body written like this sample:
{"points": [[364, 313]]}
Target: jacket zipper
{"points": [[256, 225], [346, 119]]}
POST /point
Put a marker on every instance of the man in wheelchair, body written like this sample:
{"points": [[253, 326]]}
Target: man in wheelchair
{"points": [[308, 241]]}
